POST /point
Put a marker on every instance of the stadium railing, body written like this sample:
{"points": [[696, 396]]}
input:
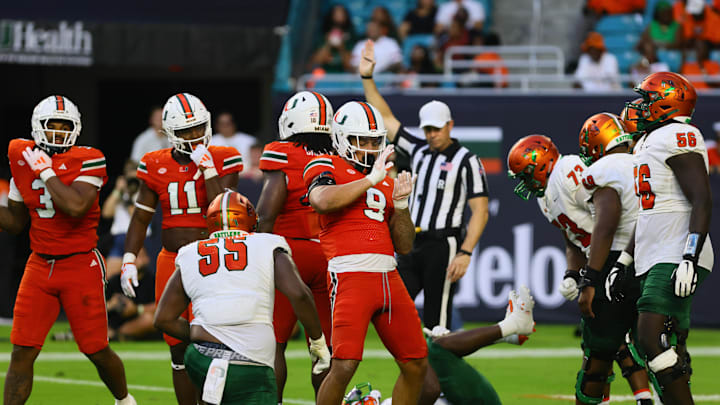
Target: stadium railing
{"points": [[517, 58]]}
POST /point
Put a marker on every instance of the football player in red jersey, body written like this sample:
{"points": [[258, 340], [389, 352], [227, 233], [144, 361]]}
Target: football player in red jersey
{"points": [[184, 179], [304, 131], [364, 220], [55, 185]]}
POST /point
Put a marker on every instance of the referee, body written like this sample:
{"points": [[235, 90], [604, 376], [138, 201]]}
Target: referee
{"points": [[449, 176]]}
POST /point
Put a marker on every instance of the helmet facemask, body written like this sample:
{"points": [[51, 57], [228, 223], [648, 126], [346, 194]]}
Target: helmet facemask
{"points": [[54, 141], [528, 186], [349, 145], [179, 137]]}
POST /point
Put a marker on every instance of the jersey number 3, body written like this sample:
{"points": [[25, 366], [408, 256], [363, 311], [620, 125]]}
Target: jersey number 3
{"points": [[209, 250]]}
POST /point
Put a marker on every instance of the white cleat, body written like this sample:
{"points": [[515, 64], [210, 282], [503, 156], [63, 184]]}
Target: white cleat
{"points": [[128, 400], [518, 315]]}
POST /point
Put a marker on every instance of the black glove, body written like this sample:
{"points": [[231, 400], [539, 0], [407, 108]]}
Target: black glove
{"points": [[615, 281]]}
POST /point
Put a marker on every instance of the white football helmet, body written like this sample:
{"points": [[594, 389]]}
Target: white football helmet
{"points": [[183, 111], [305, 112], [352, 121], [55, 108]]}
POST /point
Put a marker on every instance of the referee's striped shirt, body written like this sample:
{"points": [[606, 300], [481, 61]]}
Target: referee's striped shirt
{"points": [[446, 180]]}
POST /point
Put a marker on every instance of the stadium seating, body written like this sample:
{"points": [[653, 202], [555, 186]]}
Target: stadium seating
{"points": [[626, 59], [620, 24], [671, 57], [427, 41]]}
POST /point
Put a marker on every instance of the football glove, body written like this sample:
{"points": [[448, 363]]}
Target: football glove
{"points": [[204, 160], [684, 279], [568, 286], [129, 275], [615, 281], [40, 163], [380, 167], [436, 332], [319, 352]]}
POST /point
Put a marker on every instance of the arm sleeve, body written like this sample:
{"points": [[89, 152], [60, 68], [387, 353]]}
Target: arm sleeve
{"points": [[93, 165], [474, 178], [408, 143], [228, 160], [273, 158], [679, 141], [316, 167], [603, 174], [14, 193]]}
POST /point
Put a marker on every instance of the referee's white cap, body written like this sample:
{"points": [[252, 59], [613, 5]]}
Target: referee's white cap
{"points": [[434, 114]]}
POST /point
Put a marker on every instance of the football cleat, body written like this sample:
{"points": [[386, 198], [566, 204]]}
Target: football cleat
{"points": [[518, 315]]}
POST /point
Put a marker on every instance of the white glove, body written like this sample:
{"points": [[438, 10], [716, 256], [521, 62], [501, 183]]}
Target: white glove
{"points": [[320, 352], [40, 163], [685, 279], [380, 167], [129, 275], [569, 288], [203, 159], [437, 331]]}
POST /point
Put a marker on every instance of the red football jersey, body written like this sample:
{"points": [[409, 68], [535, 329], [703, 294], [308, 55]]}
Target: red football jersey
{"points": [[183, 200], [52, 231], [297, 218], [361, 227]]}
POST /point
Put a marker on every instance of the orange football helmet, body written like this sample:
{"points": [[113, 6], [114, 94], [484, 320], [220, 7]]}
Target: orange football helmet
{"points": [[231, 211], [531, 161], [600, 133], [665, 96], [630, 118]]}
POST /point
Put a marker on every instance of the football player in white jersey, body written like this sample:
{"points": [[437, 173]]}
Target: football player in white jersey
{"points": [[230, 279], [672, 248], [610, 315], [556, 181]]}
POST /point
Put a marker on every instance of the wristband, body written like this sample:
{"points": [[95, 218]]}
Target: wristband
{"points": [[366, 77], [625, 259], [589, 277], [209, 173], [693, 246], [401, 204], [573, 274], [46, 174], [129, 258], [463, 252]]}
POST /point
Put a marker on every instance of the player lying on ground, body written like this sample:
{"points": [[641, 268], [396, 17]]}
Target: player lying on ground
{"points": [[55, 185], [230, 279], [304, 131]]}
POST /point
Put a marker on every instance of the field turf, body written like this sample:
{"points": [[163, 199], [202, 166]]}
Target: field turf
{"points": [[542, 371]]}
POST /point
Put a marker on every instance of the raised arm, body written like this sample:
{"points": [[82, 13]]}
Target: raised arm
{"points": [[372, 95], [272, 199]]}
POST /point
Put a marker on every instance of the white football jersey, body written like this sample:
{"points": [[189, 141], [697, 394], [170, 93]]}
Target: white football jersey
{"points": [[615, 171], [231, 284], [664, 212], [564, 203]]}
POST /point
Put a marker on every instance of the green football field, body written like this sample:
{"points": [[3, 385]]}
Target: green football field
{"points": [[542, 371]]}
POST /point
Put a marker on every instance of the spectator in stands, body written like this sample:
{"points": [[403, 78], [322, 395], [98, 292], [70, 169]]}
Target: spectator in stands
{"points": [[698, 21], [132, 318], [333, 56], [597, 69], [382, 15], [118, 207], [447, 11], [420, 20], [339, 18], [702, 66], [152, 138], [457, 35], [663, 31], [229, 136], [420, 63], [490, 62], [649, 63], [388, 55]]}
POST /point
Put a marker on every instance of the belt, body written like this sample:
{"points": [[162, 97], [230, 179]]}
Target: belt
{"points": [[60, 257], [221, 351], [437, 234]]}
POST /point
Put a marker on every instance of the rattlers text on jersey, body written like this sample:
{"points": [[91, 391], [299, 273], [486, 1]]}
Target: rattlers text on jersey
{"points": [[297, 219], [357, 237], [52, 231], [231, 284], [564, 201], [615, 171], [664, 212], [183, 199]]}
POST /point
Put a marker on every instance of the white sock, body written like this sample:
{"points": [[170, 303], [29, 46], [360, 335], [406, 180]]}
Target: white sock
{"points": [[128, 400]]}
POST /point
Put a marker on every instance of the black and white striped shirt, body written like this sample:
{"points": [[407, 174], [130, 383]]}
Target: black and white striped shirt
{"points": [[446, 180]]}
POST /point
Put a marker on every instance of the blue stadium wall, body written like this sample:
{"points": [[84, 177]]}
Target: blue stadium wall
{"points": [[519, 247]]}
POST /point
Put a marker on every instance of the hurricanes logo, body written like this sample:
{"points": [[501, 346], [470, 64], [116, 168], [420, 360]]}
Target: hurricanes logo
{"points": [[341, 122]]}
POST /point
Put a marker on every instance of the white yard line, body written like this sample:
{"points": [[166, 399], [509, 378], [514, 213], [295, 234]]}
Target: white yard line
{"points": [[613, 398]]}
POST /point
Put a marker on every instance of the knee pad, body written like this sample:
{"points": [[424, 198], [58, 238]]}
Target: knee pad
{"points": [[682, 351], [668, 367], [177, 367], [625, 353], [584, 377]]}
